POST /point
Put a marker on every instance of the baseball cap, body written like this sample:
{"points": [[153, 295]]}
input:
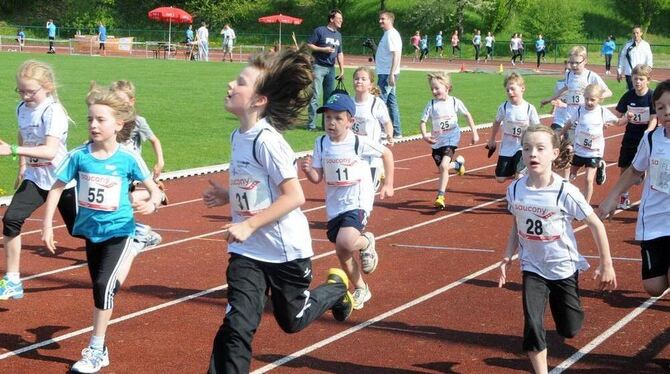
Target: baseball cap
{"points": [[339, 103]]}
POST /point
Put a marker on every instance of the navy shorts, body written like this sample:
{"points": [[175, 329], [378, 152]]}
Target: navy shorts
{"points": [[589, 162], [508, 166], [440, 153], [353, 218], [655, 257]]}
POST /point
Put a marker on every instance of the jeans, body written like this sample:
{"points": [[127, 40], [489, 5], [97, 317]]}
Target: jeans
{"points": [[324, 83], [391, 100]]}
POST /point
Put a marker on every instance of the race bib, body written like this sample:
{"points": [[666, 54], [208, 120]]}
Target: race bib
{"points": [[589, 140], [359, 126], [515, 128], [659, 172], [34, 161], [342, 171], [99, 192], [443, 126], [538, 223], [640, 115], [574, 97], [249, 195]]}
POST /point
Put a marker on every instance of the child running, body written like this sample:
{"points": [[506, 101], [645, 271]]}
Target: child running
{"points": [[543, 205], [43, 130], [589, 122], [103, 170], [337, 159], [652, 230], [445, 133], [636, 112], [269, 241], [515, 115], [372, 118]]}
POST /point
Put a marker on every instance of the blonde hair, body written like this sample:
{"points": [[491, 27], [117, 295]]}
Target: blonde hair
{"points": [[642, 70], [123, 111], [124, 86], [42, 73], [441, 77], [374, 89], [564, 153], [577, 50], [514, 78], [594, 91]]}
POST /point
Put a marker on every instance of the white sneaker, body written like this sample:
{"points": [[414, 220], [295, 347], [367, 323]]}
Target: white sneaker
{"points": [[461, 165], [92, 360], [361, 295], [369, 258], [624, 202]]}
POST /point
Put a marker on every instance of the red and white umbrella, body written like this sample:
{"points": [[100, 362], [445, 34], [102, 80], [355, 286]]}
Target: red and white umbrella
{"points": [[171, 15], [280, 18]]}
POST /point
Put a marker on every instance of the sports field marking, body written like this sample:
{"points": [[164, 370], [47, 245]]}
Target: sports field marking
{"points": [[410, 331], [441, 248], [169, 230], [619, 258]]}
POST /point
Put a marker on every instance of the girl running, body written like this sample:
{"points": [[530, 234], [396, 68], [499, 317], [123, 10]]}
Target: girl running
{"points": [[103, 170], [445, 134], [43, 130], [543, 205]]}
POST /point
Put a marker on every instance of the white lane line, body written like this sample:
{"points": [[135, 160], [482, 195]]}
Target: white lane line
{"points": [[169, 230], [619, 258], [442, 248], [605, 335], [410, 331]]}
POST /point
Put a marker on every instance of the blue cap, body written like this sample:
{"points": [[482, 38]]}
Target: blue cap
{"points": [[339, 103]]}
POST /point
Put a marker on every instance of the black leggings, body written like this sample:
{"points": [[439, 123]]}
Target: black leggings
{"points": [[540, 54], [477, 48], [608, 62]]}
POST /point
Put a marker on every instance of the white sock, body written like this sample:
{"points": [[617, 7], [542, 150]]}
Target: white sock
{"points": [[14, 277], [97, 342]]}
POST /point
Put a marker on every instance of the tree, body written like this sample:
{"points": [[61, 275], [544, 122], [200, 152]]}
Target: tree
{"points": [[556, 20], [641, 12], [497, 13]]}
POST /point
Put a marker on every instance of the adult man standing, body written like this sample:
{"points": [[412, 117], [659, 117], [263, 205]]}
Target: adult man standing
{"points": [[102, 38], [228, 35], [51, 31], [203, 42], [636, 51], [387, 62], [326, 46]]}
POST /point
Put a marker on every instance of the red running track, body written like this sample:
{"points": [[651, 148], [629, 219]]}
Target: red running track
{"points": [[436, 307]]}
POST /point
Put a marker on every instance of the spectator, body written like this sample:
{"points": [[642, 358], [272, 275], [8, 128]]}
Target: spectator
{"points": [[229, 37], [102, 38], [51, 30], [326, 46], [414, 41], [609, 46], [21, 39], [189, 34], [203, 42], [387, 61], [636, 51]]}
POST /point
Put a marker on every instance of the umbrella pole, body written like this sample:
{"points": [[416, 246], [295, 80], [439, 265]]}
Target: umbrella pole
{"points": [[169, 37], [280, 36]]}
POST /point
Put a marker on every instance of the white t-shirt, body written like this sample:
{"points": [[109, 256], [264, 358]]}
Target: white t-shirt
{"points": [[228, 36], [391, 42], [254, 186], [560, 113], [371, 115], [347, 176], [576, 84], [652, 220], [444, 120], [35, 124], [514, 120], [203, 34], [589, 126], [547, 244], [515, 44], [488, 41]]}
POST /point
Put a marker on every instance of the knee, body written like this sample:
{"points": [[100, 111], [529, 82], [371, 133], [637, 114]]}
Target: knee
{"points": [[501, 179], [569, 332], [12, 224], [655, 291]]}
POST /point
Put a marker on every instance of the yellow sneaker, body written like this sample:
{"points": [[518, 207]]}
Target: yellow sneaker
{"points": [[439, 202], [343, 308]]}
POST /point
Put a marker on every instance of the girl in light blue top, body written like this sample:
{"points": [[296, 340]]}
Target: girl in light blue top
{"points": [[609, 46], [539, 49]]}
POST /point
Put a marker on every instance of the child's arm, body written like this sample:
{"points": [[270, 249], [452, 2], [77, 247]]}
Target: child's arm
{"points": [[215, 195], [626, 181], [510, 249], [566, 127], [652, 122], [623, 118], [158, 151], [556, 96], [387, 188], [605, 271], [149, 206], [471, 123], [492, 138], [428, 138], [314, 175], [388, 129], [50, 209], [47, 151], [290, 198]]}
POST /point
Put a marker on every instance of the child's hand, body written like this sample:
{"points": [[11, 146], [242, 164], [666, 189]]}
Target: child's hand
{"points": [[544, 102], [429, 139], [475, 138], [239, 232], [605, 208], [215, 195], [5, 149], [48, 238], [606, 277], [144, 207], [306, 164], [389, 140], [504, 266], [157, 170], [386, 191], [558, 103]]}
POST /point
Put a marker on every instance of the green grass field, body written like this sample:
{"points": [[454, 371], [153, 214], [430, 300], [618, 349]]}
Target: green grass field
{"points": [[183, 103]]}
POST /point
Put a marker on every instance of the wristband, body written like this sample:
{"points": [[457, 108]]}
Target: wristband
{"points": [[15, 149]]}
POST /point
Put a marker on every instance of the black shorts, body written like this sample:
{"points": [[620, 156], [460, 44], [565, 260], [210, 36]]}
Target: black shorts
{"points": [[104, 261], [626, 156], [589, 162], [353, 218], [102, 45], [440, 153], [655, 257], [508, 166]]}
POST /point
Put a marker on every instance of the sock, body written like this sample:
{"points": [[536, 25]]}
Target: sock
{"points": [[440, 193], [97, 342], [13, 277], [625, 195], [454, 165]]}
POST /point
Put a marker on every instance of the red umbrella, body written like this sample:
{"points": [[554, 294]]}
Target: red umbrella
{"points": [[170, 14], [280, 18]]}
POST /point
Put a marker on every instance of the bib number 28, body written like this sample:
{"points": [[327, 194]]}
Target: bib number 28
{"points": [[534, 227]]}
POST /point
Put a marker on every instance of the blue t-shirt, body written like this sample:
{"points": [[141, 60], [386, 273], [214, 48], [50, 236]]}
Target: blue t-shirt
{"points": [[189, 35], [102, 33], [424, 43], [608, 47], [52, 30], [642, 107], [102, 191], [438, 41], [539, 45], [21, 35], [322, 37]]}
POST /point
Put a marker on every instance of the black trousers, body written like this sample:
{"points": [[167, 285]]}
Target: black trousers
{"points": [[629, 82], [608, 62], [295, 306], [566, 308]]}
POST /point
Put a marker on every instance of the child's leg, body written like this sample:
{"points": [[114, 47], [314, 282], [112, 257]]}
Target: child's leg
{"points": [[655, 265], [565, 306], [535, 295], [349, 242], [444, 167], [539, 361], [573, 172], [590, 176]]}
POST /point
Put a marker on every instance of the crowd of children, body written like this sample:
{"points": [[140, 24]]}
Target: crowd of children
{"points": [[269, 238]]}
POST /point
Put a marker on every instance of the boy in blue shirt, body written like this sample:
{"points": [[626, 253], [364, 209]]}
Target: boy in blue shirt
{"points": [[102, 38], [51, 30]]}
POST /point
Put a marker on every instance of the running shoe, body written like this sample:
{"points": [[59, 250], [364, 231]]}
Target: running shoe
{"points": [[460, 163], [624, 202], [164, 198], [361, 295], [10, 290], [369, 257], [601, 173], [344, 307], [92, 360], [439, 202]]}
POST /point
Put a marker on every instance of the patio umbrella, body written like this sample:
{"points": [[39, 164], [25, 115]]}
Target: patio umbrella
{"points": [[280, 18], [170, 14]]}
